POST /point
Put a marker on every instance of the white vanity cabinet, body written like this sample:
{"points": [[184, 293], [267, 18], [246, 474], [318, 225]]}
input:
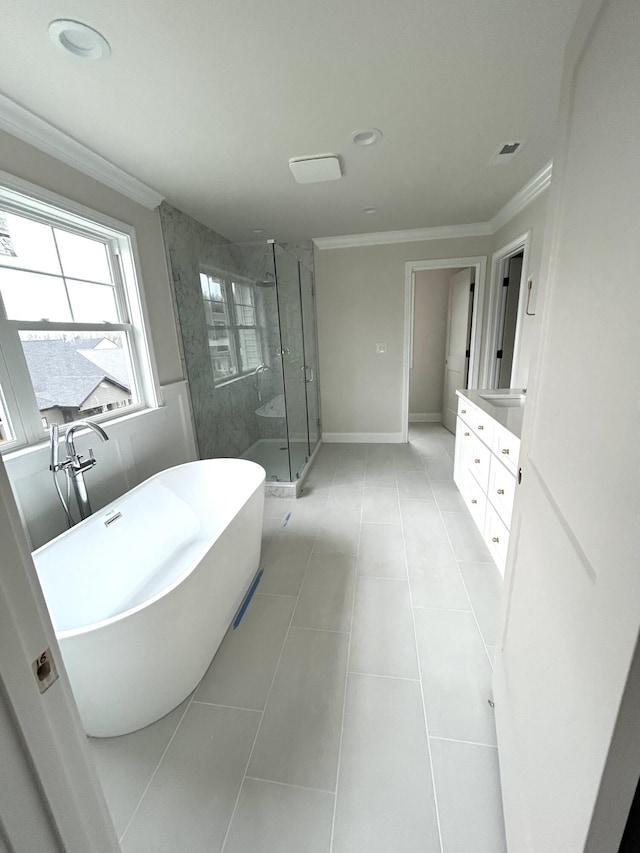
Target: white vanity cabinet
{"points": [[486, 464]]}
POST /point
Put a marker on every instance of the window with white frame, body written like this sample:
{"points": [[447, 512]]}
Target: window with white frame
{"points": [[230, 316], [72, 342]]}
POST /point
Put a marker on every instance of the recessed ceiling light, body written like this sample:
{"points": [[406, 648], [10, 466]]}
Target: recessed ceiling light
{"points": [[369, 210], [366, 137], [257, 230], [79, 40]]}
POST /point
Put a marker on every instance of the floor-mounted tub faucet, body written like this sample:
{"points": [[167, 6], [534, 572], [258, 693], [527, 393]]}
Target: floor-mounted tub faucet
{"points": [[74, 466]]}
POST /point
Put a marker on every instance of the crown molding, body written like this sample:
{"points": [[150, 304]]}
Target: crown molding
{"points": [[530, 191], [411, 235], [23, 124]]}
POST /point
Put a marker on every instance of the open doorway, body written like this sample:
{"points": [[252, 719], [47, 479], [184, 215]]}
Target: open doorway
{"points": [[443, 307], [507, 307]]}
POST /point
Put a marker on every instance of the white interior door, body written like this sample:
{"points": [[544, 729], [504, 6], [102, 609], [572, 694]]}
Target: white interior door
{"points": [[458, 342]]}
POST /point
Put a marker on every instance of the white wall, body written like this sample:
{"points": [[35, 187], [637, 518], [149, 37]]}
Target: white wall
{"points": [[429, 337], [360, 302], [140, 445], [566, 678]]}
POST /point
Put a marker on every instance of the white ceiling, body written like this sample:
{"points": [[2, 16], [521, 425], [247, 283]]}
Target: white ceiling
{"points": [[206, 101]]}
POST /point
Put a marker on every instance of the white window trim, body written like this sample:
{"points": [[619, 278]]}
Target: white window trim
{"points": [[227, 279], [122, 237]]}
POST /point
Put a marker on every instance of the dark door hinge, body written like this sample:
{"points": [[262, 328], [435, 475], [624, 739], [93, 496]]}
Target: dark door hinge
{"points": [[499, 354], [472, 287], [505, 282], [468, 353]]}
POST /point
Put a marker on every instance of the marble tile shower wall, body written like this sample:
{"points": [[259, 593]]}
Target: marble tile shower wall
{"points": [[225, 419]]}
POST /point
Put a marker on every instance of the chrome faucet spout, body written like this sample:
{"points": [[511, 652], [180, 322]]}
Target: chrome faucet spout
{"points": [[71, 431], [75, 465]]}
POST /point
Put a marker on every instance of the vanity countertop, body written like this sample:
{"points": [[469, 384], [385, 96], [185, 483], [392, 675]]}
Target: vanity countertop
{"points": [[510, 416]]}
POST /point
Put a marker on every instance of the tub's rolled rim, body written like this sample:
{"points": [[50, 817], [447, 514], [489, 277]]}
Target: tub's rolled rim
{"points": [[110, 620]]}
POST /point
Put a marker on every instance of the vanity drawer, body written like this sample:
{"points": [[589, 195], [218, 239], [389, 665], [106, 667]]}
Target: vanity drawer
{"points": [[502, 489], [506, 447], [483, 427], [479, 462], [466, 411], [477, 503], [496, 536]]}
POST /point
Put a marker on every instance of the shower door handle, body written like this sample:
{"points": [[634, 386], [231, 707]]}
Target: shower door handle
{"points": [[307, 377]]}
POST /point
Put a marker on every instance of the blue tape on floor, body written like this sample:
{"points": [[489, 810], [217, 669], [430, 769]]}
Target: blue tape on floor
{"points": [[247, 600], [286, 519]]}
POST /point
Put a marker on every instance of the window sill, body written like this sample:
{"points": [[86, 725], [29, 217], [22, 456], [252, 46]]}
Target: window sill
{"points": [[233, 379], [11, 454]]}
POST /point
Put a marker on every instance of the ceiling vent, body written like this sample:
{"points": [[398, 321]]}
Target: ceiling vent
{"points": [[313, 170], [506, 152]]}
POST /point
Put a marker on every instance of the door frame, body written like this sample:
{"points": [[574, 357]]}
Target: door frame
{"points": [[479, 263], [47, 731], [499, 260]]}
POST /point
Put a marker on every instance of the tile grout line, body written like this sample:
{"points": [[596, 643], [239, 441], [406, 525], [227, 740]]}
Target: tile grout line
{"points": [[346, 682], [424, 706], [266, 702], [377, 675], [321, 630], [220, 705], [475, 618], [468, 742], [153, 775], [288, 785]]}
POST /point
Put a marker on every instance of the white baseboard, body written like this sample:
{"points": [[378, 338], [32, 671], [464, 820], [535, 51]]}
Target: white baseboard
{"points": [[362, 437], [425, 417]]}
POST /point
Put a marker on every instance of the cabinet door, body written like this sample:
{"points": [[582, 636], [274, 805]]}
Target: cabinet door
{"points": [[477, 504], [506, 447], [502, 489], [496, 536], [462, 455], [480, 461]]}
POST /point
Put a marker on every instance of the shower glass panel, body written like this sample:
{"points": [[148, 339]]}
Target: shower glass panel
{"points": [[293, 364], [269, 446], [310, 354], [246, 319]]}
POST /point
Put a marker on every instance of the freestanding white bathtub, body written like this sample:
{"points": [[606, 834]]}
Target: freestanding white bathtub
{"points": [[142, 592]]}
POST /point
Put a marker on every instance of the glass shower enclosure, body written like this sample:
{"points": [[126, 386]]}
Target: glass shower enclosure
{"points": [[288, 417], [247, 322]]}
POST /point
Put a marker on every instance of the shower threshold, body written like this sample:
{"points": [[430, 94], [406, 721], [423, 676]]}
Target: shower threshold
{"points": [[272, 454]]}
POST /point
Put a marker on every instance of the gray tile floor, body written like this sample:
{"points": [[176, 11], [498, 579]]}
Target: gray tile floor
{"points": [[349, 710]]}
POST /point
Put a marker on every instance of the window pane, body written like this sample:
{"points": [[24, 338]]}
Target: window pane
{"points": [[83, 257], [29, 296], [78, 375], [92, 303], [6, 432], [222, 352], [28, 244], [246, 315], [250, 351], [211, 287], [242, 293]]}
